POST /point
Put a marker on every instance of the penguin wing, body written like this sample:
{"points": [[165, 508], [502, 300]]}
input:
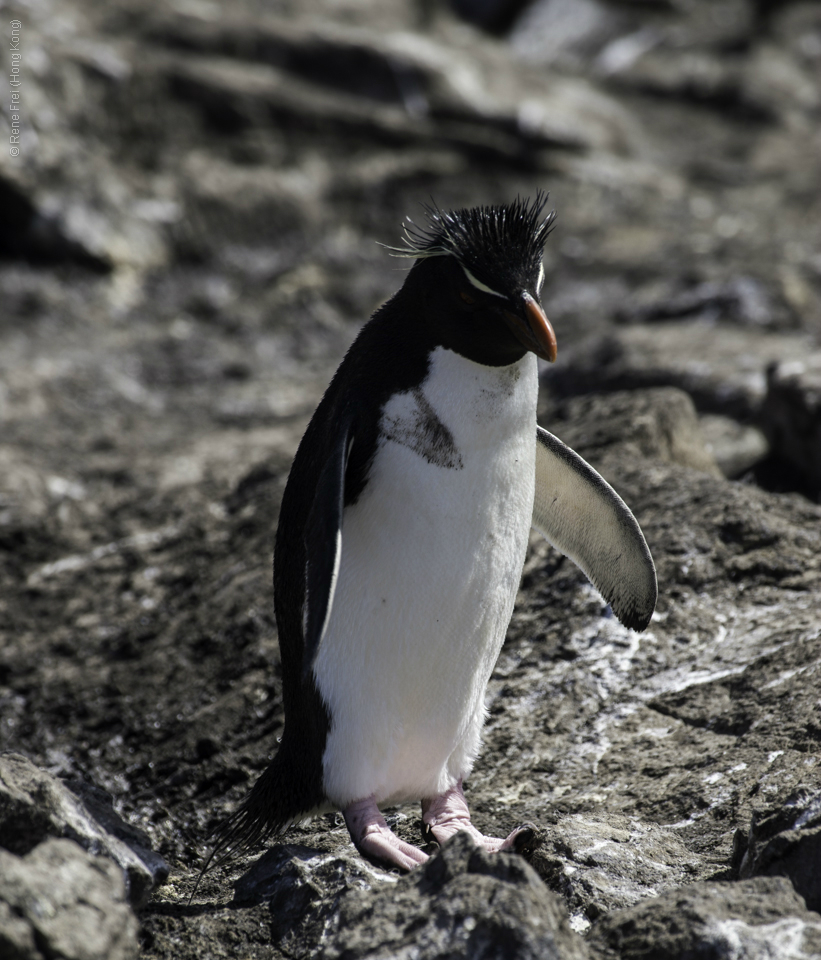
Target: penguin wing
{"points": [[323, 546], [584, 518]]}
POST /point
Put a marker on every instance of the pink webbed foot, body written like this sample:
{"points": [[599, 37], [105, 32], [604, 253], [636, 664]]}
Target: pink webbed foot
{"points": [[372, 836], [448, 813]]}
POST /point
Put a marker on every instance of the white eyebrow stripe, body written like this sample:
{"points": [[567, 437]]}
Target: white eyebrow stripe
{"points": [[479, 285]]}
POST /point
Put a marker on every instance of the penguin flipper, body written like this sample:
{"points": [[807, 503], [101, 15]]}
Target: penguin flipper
{"points": [[584, 518], [323, 546]]}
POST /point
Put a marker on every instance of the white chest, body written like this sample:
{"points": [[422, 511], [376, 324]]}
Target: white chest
{"points": [[431, 558]]}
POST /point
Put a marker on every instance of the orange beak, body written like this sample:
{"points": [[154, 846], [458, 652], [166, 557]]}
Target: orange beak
{"points": [[534, 331]]}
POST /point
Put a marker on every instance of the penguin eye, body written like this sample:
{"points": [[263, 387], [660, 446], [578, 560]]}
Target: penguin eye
{"points": [[467, 297]]}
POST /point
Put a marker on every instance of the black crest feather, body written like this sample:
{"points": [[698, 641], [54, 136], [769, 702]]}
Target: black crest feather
{"points": [[485, 240]]}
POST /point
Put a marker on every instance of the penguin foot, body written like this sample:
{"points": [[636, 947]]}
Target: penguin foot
{"points": [[373, 837], [448, 814]]}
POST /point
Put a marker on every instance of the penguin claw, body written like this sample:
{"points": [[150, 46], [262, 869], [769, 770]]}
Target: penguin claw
{"points": [[373, 837], [523, 839], [387, 847], [447, 814]]}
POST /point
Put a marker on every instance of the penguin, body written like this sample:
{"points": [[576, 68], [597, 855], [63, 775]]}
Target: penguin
{"points": [[402, 536]]}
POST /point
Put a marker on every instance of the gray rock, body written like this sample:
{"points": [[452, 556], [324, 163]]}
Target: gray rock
{"points": [[16, 935], [59, 901], [42, 235], [740, 300], [462, 902], [302, 887], [656, 424], [755, 919], [700, 75], [604, 863], [791, 413], [683, 731], [324, 900], [35, 805], [736, 446], [786, 842], [564, 31], [354, 82], [720, 366]]}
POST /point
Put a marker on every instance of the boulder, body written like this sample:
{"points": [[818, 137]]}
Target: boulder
{"points": [[462, 902], [791, 413], [755, 919], [737, 447], [35, 805], [657, 424], [59, 901], [786, 842], [721, 366]]}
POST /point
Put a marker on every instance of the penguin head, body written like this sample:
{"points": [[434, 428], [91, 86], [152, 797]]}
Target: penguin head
{"points": [[480, 274]]}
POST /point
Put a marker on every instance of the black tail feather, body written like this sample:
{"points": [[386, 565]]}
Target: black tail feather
{"points": [[278, 799]]}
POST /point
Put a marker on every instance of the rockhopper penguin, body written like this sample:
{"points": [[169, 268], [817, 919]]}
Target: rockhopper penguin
{"points": [[402, 535]]}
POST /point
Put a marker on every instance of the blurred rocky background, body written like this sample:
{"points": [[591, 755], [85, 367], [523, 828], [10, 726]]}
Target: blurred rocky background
{"points": [[189, 240]]}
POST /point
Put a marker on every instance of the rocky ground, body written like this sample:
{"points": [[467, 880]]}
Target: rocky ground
{"points": [[188, 243]]}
